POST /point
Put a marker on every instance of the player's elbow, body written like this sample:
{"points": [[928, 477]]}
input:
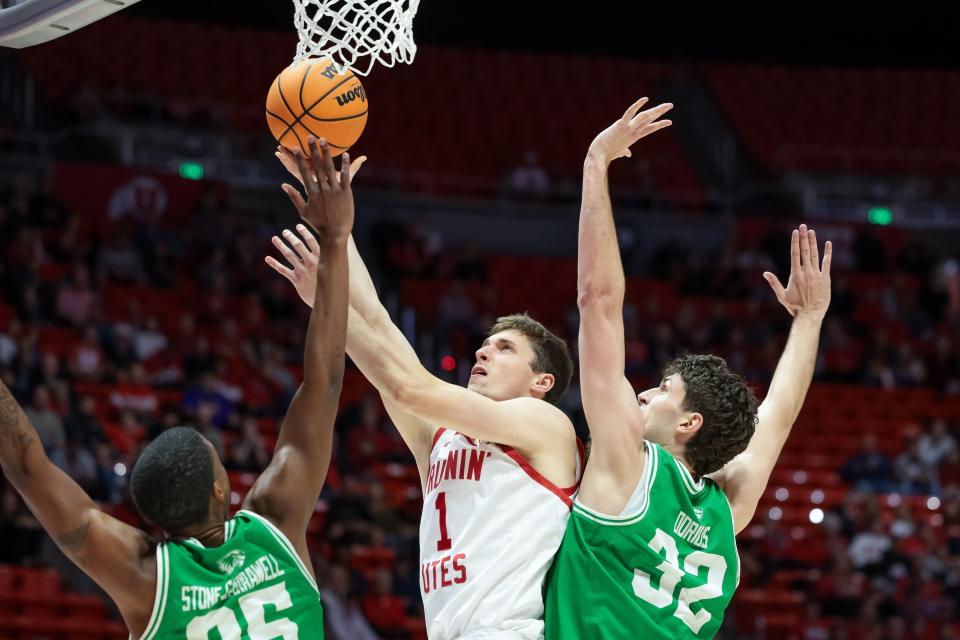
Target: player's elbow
{"points": [[594, 296], [408, 394]]}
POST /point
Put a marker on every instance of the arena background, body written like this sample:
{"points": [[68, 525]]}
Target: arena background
{"points": [[138, 193]]}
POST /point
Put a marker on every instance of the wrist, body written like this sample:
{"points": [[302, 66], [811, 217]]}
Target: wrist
{"points": [[809, 318], [333, 238], [596, 160]]}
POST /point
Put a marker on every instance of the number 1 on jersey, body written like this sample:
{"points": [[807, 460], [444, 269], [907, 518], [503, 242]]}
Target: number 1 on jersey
{"points": [[444, 543]]}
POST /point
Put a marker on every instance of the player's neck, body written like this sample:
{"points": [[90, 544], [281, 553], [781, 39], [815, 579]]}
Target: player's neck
{"points": [[677, 452], [209, 534]]}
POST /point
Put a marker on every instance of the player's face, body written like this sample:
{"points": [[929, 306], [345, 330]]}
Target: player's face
{"points": [[502, 370], [662, 409]]}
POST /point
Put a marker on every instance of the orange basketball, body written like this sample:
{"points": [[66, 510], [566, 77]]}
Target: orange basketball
{"points": [[310, 97]]}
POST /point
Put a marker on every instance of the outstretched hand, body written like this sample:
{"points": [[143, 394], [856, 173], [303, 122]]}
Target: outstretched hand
{"points": [[329, 206], [808, 289], [289, 160], [615, 141], [303, 254]]}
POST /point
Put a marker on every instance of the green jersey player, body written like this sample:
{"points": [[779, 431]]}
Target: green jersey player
{"points": [[676, 471], [243, 578]]}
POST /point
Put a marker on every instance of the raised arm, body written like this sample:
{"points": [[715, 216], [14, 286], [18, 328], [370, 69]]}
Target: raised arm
{"points": [[806, 297], [287, 491], [609, 401], [527, 423], [302, 252], [115, 555]]}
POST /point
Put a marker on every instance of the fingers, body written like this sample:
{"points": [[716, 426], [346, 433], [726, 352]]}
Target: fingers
{"points": [[814, 250], [355, 166], [286, 272], [345, 176], [650, 115], [307, 175], [294, 241], [804, 247], [323, 161], [316, 161], [827, 258], [656, 126], [288, 253], [778, 290], [795, 251], [295, 198], [308, 239], [634, 108], [775, 284]]}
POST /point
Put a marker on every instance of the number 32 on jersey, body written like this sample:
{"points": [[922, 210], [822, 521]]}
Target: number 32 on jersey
{"points": [[672, 571]]}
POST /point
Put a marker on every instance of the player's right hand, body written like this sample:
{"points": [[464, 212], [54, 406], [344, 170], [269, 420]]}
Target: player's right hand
{"points": [[329, 207], [615, 141], [303, 256]]}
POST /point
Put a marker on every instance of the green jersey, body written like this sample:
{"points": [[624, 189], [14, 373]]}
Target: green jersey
{"points": [[665, 568], [252, 587]]}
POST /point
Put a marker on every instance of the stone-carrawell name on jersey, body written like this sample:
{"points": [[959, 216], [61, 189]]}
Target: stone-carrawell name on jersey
{"points": [[199, 598], [691, 531]]}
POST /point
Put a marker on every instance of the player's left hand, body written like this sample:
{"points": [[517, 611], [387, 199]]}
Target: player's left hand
{"points": [[302, 253], [808, 289], [329, 206], [615, 141]]}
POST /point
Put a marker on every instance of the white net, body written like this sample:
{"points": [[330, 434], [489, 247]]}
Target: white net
{"points": [[356, 34]]}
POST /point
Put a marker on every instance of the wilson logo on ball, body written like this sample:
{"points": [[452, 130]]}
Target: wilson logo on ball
{"points": [[350, 96]]}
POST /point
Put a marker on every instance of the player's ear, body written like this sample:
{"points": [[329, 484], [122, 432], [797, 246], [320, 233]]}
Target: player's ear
{"points": [[691, 424], [219, 492], [543, 383]]}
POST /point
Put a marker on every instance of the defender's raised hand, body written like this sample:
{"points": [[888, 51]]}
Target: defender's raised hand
{"points": [[808, 289], [329, 206], [615, 141]]}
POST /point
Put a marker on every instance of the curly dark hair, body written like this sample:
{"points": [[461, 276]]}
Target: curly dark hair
{"points": [[172, 480], [550, 353], [728, 407]]}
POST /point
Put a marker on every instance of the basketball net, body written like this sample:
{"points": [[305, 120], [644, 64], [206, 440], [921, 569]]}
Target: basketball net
{"points": [[355, 34]]}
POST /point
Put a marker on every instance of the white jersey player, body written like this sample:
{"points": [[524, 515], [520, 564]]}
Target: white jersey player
{"points": [[498, 460], [486, 507]]}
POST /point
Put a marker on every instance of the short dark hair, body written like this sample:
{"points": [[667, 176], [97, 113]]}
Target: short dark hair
{"points": [[728, 407], [172, 480], [550, 353]]}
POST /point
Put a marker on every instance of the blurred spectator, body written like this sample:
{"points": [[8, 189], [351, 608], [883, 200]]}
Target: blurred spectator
{"points": [[936, 444], [529, 180], [78, 463], [913, 475], [149, 339], [20, 532], [8, 343], [206, 396], [868, 547], [249, 453], [87, 362], [48, 424], [341, 607], [868, 469], [82, 422], [121, 261], [76, 297]]}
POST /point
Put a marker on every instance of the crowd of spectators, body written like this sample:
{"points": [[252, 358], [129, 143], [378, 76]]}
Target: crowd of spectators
{"points": [[107, 341]]}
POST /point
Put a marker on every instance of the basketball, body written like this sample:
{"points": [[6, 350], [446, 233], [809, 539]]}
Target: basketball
{"points": [[311, 98]]}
